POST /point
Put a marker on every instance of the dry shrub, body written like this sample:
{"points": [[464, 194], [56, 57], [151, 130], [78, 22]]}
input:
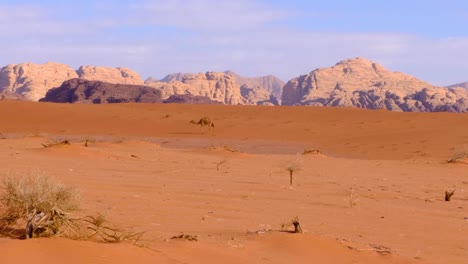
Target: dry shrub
{"points": [[98, 229], [45, 208], [293, 166], [311, 151], [61, 143], [294, 222], [448, 195], [187, 237], [458, 157], [43, 205]]}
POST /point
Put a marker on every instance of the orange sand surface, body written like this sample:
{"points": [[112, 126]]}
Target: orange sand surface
{"points": [[373, 195]]}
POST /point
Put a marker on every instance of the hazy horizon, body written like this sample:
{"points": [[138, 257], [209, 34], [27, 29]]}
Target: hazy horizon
{"points": [[426, 39]]}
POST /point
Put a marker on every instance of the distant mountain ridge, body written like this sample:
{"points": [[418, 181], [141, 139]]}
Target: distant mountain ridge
{"points": [[362, 83], [32, 81], [459, 85], [224, 87], [356, 82]]}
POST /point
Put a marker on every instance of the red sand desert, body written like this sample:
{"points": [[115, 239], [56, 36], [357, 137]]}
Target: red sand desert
{"points": [[373, 195]]}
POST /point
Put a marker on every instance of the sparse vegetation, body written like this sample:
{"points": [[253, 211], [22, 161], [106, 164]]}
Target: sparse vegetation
{"points": [[64, 142], [352, 197], [99, 229], [41, 204], [294, 222], [311, 151], [220, 163], [292, 167], [187, 237], [449, 194], [458, 157], [44, 207]]}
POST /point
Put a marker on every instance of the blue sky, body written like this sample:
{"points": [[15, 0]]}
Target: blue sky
{"points": [[427, 39]]}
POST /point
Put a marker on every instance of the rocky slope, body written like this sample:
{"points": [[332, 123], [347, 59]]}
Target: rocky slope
{"points": [[110, 75], [270, 83], [218, 86], [97, 92], [361, 83], [189, 99], [31, 81]]}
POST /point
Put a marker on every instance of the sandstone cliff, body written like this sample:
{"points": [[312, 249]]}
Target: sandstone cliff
{"points": [[222, 87], [110, 75], [361, 83], [189, 99], [96, 92], [31, 81], [270, 83]]}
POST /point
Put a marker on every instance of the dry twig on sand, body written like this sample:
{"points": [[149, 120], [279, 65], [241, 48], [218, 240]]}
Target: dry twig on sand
{"points": [[294, 222]]}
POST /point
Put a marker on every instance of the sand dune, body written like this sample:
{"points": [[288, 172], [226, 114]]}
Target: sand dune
{"points": [[378, 187]]}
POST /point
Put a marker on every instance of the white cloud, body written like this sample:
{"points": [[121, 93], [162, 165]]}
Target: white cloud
{"points": [[205, 15]]}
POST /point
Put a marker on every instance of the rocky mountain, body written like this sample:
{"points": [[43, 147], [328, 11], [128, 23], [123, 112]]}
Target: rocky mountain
{"points": [[97, 92], [222, 87], [189, 99], [362, 83], [110, 75], [31, 81], [175, 77], [459, 85], [269, 83]]}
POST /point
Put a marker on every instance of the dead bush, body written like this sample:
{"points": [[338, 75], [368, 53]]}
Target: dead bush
{"points": [[461, 156], [292, 167], [294, 222], [448, 195], [38, 202], [44, 208]]}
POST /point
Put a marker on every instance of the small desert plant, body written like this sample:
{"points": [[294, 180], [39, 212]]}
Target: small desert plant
{"points": [[311, 151], [448, 195], [43, 205], [457, 157], [294, 222], [100, 230], [64, 142], [187, 237], [352, 197], [292, 167], [220, 163]]}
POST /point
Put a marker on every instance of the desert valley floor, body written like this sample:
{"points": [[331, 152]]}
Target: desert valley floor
{"points": [[374, 193]]}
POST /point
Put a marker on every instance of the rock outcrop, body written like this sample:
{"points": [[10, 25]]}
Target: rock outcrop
{"points": [[218, 86], [189, 99], [97, 92], [110, 75], [215, 85], [361, 83], [270, 83], [31, 81]]}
